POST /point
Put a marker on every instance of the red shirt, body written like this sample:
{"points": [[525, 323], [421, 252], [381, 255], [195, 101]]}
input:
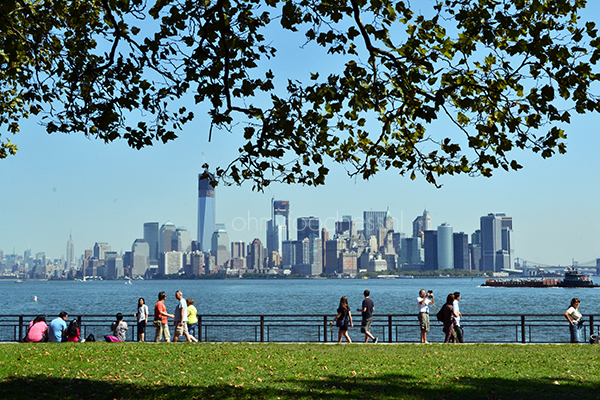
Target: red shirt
{"points": [[160, 306]]}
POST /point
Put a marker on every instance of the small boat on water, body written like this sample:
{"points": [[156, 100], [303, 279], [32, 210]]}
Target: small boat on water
{"points": [[572, 279]]}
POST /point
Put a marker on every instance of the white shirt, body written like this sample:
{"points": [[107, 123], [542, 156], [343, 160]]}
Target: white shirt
{"points": [[456, 310], [575, 314], [423, 305]]}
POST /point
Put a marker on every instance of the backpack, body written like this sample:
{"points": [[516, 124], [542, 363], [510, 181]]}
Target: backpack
{"points": [[90, 338], [440, 315]]}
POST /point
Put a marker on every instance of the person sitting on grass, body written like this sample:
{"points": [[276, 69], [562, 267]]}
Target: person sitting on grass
{"points": [[119, 328]]}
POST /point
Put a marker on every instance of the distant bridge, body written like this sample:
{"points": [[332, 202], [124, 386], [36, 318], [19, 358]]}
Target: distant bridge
{"points": [[591, 264]]}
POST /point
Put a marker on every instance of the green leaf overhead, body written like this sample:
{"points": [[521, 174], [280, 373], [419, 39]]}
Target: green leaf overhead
{"points": [[454, 89]]}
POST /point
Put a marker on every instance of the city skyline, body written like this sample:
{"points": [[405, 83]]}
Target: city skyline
{"points": [[59, 185], [47, 195]]}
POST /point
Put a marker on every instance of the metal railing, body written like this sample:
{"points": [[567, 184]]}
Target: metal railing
{"points": [[394, 328]]}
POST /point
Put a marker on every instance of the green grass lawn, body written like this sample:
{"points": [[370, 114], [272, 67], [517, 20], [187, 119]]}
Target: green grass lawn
{"points": [[296, 371]]}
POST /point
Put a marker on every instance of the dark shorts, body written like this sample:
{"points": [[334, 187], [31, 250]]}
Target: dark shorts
{"points": [[366, 325], [141, 326]]}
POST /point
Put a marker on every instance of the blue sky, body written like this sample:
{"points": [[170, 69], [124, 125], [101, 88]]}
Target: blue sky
{"points": [[62, 184]]}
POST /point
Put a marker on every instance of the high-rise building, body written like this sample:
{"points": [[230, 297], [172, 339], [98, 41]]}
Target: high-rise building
{"points": [[197, 263], [182, 240], [346, 227], [430, 247], [165, 238], [206, 211], [220, 245], [275, 234], [411, 252], [100, 249], [445, 247], [307, 226], [461, 251], [256, 256], [114, 266], [333, 251], [281, 207], [288, 253], [373, 220], [140, 258], [421, 224], [173, 262], [496, 242], [238, 250], [70, 261], [151, 235]]}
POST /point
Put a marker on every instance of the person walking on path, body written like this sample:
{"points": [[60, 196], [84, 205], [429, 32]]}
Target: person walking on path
{"points": [[181, 319], [161, 315], [367, 317], [343, 320], [142, 319], [57, 330], [423, 302], [192, 317], [575, 322], [457, 327], [448, 315]]}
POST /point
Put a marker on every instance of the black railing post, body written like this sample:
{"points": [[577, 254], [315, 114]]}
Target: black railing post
{"points": [[591, 324], [390, 328], [325, 328], [199, 328], [522, 329], [20, 328], [262, 328]]}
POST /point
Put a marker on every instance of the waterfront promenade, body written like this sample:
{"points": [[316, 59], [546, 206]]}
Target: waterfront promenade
{"points": [[393, 328]]}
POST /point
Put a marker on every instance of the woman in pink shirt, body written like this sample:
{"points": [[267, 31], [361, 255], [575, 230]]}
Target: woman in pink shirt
{"points": [[37, 330]]}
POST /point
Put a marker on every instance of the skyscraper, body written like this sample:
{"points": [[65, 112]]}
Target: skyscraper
{"points": [[345, 227], [140, 255], [206, 211], [308, 226], [430, 247], [100, 249], [421, 224], [276, 232], [445, 247], [70, 262], [151, 236], [373, 220], [165, 237], [496, 242], [461, 251], [182, 240], [256, 256], [220, 245]]}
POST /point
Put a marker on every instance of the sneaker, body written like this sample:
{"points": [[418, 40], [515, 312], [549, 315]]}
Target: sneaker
{"points": [[376, 340]]}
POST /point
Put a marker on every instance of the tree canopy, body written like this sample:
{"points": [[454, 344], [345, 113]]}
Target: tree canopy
{"points": [[507, 74]]}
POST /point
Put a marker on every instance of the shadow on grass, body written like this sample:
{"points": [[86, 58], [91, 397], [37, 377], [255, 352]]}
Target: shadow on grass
{"points": [[332, 387]]}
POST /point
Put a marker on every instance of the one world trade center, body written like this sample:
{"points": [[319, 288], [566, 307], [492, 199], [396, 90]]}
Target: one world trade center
{"points": [[206, 211]]}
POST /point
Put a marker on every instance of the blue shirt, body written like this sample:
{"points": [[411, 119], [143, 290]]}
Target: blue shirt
{"points": [[55, 330], [182, 305]]}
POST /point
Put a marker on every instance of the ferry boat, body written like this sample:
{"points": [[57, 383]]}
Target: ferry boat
{"points": [[572, 279]]}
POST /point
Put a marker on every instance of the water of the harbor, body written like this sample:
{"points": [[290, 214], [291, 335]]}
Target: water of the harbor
{"points": [[283, 296]]}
